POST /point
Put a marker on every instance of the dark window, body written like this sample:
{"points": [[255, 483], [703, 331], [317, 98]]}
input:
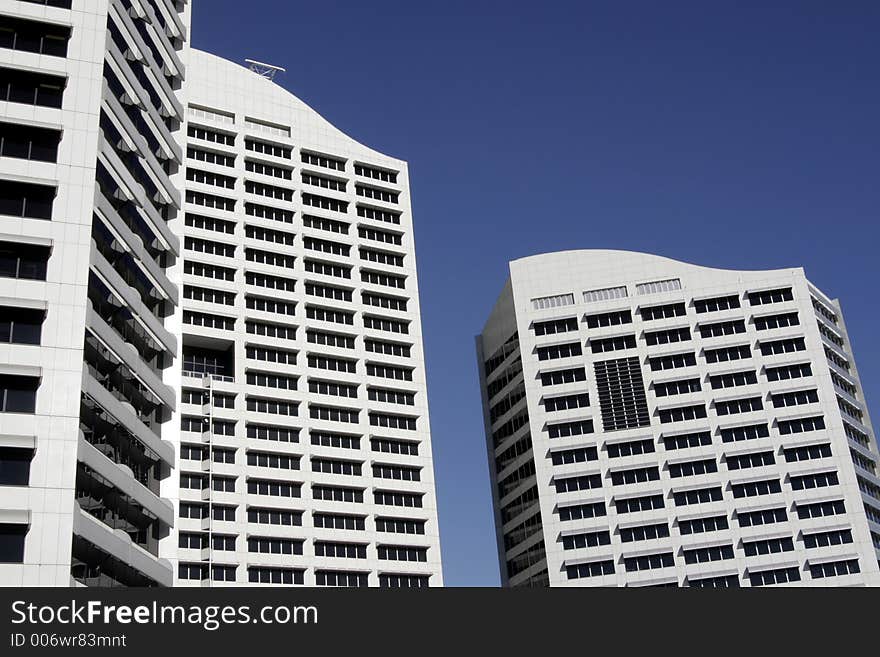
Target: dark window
{"points": [[31, 88], [21, 325], [15, 466], [29, 142], [19, 199], [23, 261], [34, 36], [12, 543], [18, 394]]}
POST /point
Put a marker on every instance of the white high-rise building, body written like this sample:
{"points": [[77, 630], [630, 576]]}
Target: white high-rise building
{"points": [[89, 123], [655, 423], [211, 366], [302, 429]]}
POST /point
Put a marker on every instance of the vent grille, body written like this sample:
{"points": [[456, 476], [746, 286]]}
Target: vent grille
{"points": [[622, 399]]}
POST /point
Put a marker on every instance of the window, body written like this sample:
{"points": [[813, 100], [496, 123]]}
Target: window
{"points": [[390, 396], [567, 429], [702, 525], [716, 304], [765, 297], [332, 388], [667, 311], [796, 398], [380, 236], [340, 578], [807, 452], [752, 460], [18, 199], [612, 344], [630, 448], [376, 214], [21, 325], [18, 394], [337, 494], [34, 36], [756, 488], [634, 475], [267, 148], [266, 575], [786, 372], [760, 518], [31, 88], [708, 554], [273, 433], [582, 482], [402, 553], [648, 562], [698, 496], [726, 354], [770, 577], [330, 315], [565, 402], [273, 488], [582, 511], [587, 539], [636, 504], [389, 371], [673, 361], [392, 421], [553, 352], [667, 336], [733, 380], [576, 455], [15, 466], [213, 136], [397, 498], [211, 157], [338, 521], [342, 441], [816, 480], [400, 525], [324, 203], [385, 175], [720, 329], [559, 377], [605, 294], [377, 193], [656, 287], [685, 440], [644, 532], [683, 387], [821, 509], [682, 413], [268, 516], [26, 261], [209, 178], [720, 582], [768, 546], [776, 321], [208, 271], [334, 414], [284, 173], [273, 460], [786, 346], [599, 320], [266, 212], [692, 468], [544, 303], [325, 161], [746, 432], [736, 406], [825, 539], [266, 545], [271, 330], [801, 425], [834, 568], [336, 466]]}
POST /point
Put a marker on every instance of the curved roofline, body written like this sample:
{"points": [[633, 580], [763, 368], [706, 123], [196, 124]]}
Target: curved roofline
{"points": [[538, 258], [284, 95]]}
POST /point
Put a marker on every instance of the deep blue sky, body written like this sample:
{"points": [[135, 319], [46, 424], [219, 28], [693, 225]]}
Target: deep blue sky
{"points": [[730, 134]]}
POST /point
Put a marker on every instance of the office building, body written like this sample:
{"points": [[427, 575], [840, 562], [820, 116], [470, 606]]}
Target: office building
{"points": [[89, 152], [655, 423], [302, 429]]}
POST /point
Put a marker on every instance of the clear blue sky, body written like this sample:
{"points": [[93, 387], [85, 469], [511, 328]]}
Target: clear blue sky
{"points": [[730, 134]]}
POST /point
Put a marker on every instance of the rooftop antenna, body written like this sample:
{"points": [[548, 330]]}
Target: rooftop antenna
{"points": [[264, 70]]}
